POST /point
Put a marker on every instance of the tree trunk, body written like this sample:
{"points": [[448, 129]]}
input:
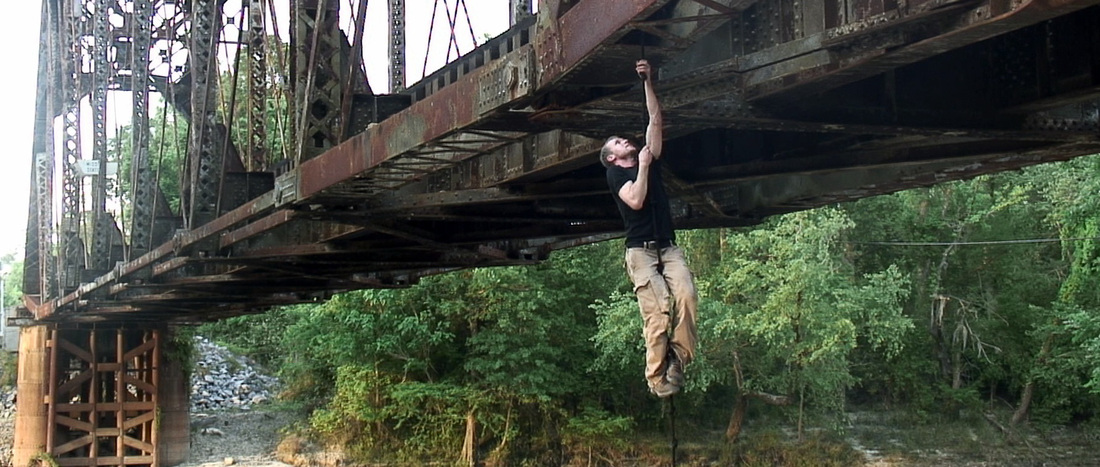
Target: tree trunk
{"points": [[738, 416], [1029, 389], [801, 410], [956, 369], [1025, 403], [940, 346], [733, 430], [469, 445]]}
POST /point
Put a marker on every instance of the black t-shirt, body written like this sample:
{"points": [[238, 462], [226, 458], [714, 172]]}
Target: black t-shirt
{"points": [[654, 220]]}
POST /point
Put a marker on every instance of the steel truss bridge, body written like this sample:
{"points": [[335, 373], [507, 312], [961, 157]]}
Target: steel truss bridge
{"points": [[294, 180]]}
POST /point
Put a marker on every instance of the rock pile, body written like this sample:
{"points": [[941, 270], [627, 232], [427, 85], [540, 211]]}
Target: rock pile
{"points": [[222, 380], [7, 423], [7, 402]]}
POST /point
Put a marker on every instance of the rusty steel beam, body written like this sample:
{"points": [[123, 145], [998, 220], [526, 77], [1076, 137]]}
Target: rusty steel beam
{"points": [[402, 133], [964, 24], [464, 99], [179, 242], [583, 29]]}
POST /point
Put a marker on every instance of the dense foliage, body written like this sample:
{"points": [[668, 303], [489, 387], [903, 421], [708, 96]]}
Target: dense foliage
{"points": [[921, 300]]}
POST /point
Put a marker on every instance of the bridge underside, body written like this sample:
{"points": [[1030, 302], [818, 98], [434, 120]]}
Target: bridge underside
{"points": [[771, 107]]}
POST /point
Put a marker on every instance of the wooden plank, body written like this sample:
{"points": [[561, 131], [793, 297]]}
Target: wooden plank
{"points": [[138, 420], [71, 445], [113, 460], [140, 384], [73, 384], [137, 444], [141, 349], [170, 265], [74, 423], [84, 407], [73, 349]]}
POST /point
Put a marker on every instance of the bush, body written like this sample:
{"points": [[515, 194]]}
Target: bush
{"points": [[769, 449], [596, 433]]}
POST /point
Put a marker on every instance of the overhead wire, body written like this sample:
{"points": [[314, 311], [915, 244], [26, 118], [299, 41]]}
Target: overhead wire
{"points": [[989, 242]]}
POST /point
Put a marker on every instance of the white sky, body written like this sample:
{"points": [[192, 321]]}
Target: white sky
{"points": [[19, 32]]}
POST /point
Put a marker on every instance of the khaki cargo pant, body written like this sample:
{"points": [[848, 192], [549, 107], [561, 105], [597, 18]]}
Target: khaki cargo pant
{"points": [[658, 294]]}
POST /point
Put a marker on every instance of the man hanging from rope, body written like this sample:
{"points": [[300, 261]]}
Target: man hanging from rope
{"points": [[655, 264]]}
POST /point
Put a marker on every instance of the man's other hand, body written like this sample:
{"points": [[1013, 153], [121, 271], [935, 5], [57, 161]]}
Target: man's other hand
{"points": [[645, 156]]}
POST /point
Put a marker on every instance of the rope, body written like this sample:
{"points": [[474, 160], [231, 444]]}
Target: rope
{"points": [[660, 270], [672, 426]]}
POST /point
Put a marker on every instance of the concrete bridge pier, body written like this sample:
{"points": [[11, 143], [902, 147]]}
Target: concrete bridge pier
{"points": [[100, 396], [30, 407]]}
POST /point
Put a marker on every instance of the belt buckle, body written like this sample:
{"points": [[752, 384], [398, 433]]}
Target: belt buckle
{"points": [[651, 245]]}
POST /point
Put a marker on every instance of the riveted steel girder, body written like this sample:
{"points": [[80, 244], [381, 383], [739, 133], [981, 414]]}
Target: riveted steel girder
{"points": [[144, 180], [206, 165]]}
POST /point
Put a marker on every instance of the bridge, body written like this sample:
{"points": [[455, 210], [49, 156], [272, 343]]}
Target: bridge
{"points": [[298, 181]]}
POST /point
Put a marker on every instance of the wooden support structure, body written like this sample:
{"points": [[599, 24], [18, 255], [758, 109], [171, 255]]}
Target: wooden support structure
{"points": [[92, 397]]}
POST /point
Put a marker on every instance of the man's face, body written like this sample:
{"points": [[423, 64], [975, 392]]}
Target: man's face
{"points": [[622, 151]]}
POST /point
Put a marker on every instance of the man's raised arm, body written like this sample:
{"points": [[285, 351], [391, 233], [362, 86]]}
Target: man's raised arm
{"points": [[654, 136]]}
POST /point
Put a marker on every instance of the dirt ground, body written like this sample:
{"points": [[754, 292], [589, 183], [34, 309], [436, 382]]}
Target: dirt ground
{"points": [[236, 438], [251, 439], [887, 440], [246, 439]]}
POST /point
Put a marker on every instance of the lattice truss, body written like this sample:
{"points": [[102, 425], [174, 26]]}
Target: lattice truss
{"points": [[99, 63], [103, 397], [217, 71]]}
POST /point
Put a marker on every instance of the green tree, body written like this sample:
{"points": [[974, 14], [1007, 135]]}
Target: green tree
{"points": [[991, 307], [781, 310], [799, 309], [12, 271], [489, 359]]}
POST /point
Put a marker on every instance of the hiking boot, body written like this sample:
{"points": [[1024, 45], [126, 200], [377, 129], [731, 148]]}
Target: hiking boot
{"points": [[674, 369], [664, 389]]}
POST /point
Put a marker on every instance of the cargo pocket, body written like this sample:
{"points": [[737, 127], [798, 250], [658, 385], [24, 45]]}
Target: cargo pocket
{"points": [[639, 275]]}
